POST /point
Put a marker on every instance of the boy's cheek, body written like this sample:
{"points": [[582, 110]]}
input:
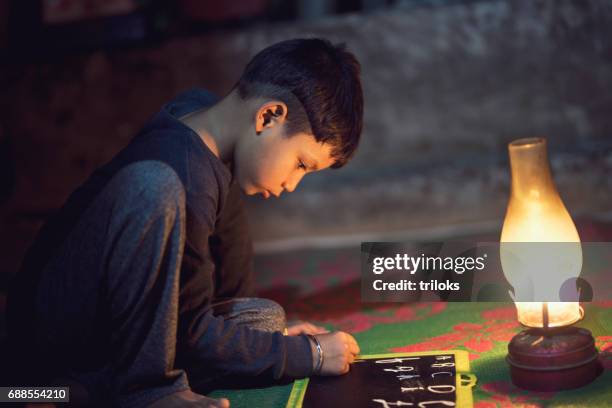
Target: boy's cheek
{"points": [[246, 187], [243, 174]]}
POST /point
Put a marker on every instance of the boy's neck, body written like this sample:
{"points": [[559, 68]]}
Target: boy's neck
{"points": [[218, 126]]}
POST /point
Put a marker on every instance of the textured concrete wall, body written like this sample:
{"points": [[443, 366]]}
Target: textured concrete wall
{"points": [[446, 88]]}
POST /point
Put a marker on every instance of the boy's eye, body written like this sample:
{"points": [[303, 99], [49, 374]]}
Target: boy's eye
{"points": [[301, 165]]}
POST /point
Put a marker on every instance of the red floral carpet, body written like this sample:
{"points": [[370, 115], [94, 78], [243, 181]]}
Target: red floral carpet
{"points": [[323, 287]]}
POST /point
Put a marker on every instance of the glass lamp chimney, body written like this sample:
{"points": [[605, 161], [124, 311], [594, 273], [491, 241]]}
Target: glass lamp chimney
{"points": [[536, 216]]}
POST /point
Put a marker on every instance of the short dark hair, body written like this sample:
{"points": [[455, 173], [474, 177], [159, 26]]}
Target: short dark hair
{"points": [[320, 84]]}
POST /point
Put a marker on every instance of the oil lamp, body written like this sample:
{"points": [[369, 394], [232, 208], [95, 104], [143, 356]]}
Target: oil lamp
{"points": [[540, 253]]}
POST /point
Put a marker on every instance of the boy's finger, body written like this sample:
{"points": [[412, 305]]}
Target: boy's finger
{"points": [[351, 348], [354, 344], [294, 323], [350, 358], [306, 328], [316, 329], [223, 403], [348, 337]]}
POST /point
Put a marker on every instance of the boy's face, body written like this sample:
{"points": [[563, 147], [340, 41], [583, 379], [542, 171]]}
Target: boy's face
{"points": [[271, 162]]}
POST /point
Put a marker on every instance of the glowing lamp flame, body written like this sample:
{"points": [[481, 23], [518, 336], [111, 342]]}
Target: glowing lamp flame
{"points": [[536, 214]]}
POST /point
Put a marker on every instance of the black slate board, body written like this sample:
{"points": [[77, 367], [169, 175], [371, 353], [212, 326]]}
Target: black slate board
{"points": [[425, 380]]}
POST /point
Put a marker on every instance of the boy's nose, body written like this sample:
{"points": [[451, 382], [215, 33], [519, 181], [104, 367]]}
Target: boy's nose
{"points": [[291, 184], [288, 187]]}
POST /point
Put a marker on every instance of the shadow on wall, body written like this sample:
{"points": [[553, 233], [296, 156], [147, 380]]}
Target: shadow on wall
{"points": [[7, 169]]}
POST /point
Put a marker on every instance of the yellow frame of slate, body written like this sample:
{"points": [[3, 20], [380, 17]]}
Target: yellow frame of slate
{"points": [[464, 381]]}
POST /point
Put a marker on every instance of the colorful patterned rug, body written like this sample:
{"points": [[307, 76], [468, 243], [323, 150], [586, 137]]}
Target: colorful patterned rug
{"points": [[323, 287]]}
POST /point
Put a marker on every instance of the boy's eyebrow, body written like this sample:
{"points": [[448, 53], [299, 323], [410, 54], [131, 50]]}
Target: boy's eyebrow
{"points": [[311, 163]]}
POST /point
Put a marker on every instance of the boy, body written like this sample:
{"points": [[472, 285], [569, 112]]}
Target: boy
{"points": [[137, 291]]}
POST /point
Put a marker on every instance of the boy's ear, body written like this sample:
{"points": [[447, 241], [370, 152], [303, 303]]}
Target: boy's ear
{"points": [[270, 114]]}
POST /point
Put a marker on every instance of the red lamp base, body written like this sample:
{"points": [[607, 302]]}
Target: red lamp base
{"points": [[553, 359]]}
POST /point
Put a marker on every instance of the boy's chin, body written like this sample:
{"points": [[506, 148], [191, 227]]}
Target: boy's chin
{"points": [[249, 189], [255, 191]]}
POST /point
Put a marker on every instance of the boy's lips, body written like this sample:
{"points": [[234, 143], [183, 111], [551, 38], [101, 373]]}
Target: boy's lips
{"points": [[268, 193]]}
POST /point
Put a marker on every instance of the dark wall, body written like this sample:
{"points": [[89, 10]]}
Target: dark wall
{"points": [[446, 89]]}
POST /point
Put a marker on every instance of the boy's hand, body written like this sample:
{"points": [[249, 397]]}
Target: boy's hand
{"points": [[339, 351], [298, 328]]}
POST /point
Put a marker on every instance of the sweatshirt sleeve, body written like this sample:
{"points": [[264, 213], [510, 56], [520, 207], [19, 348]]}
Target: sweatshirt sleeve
{"points": [[226, 348], [222, 346]]}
